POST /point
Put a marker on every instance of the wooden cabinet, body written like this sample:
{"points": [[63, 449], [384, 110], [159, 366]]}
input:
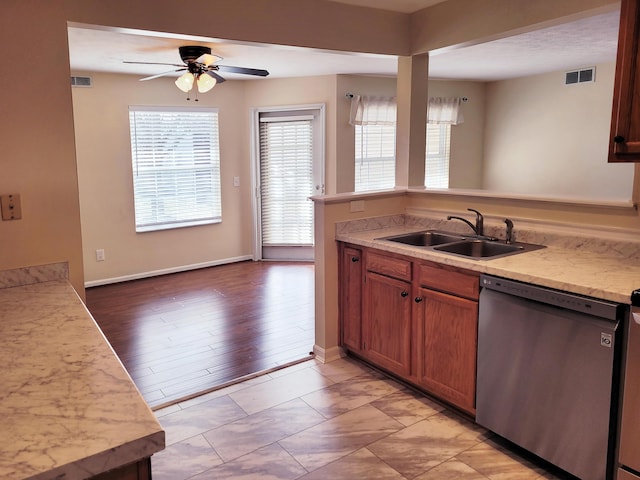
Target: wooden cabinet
{"points": [[135, 471], [446, 350], [386, 322], [624, 144], [350, 288], [415, 319]]}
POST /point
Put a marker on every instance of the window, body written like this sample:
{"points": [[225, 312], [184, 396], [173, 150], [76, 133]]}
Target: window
{"points": [[436, 172], [176, 167], [375, 157], [374, 119]]}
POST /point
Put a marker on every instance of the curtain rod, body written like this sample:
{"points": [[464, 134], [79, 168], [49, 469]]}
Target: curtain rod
{"points": [[350, 95]]}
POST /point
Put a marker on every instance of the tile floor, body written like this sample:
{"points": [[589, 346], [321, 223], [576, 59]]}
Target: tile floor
{"points": [[340, 420]]}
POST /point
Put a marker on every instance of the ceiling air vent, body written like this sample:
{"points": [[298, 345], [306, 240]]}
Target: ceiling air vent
{"points": [[580, 76], [80, 81]]}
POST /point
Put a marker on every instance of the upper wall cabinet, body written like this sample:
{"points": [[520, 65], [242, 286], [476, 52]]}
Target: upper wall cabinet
{"points": [[624, 144]]}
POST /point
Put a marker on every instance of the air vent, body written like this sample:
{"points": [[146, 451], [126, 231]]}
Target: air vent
{"points": [[580, 76], [80, 81]]}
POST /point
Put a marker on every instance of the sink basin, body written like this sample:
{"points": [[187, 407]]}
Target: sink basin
{"points": [[485, 249], [426, 238]]}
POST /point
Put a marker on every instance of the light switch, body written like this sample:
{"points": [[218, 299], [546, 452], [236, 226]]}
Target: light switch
{"points": [[11, 209], [236, 181]]}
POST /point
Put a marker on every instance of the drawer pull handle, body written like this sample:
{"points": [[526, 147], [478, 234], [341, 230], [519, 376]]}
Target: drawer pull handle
{"points": [[618, 139], [355, 259], [404, 294], [418, 299]]}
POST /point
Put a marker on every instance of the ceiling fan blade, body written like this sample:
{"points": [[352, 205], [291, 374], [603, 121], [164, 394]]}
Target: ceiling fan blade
{"points": [[155, 63], [208, 59], [162, 74], [242, 70], [218, 78]]}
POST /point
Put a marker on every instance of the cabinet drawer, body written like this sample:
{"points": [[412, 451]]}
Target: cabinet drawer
{"points": [[450, 281], [389, 266]]}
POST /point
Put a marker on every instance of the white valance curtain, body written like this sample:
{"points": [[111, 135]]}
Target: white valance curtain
{"points": [[369, 110], [444, 110]]}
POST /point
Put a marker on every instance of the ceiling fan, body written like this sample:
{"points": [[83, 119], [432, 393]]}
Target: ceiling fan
{"points": [[200, 69]]}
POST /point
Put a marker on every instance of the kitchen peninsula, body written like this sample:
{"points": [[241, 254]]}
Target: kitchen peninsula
{"points": [[69, 408]]}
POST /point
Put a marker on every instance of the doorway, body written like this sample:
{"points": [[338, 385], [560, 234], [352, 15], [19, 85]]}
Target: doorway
{"points": [[288, 160]]}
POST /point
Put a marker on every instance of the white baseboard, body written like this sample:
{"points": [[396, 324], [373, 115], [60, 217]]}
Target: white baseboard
{"points": [[165, 271], [329, 354]]}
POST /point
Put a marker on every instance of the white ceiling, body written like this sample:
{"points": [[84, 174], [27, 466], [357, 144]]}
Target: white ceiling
{"points": [[582, 43]]}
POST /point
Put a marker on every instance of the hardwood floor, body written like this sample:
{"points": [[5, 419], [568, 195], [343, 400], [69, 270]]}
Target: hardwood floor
{"points": [[181, 334]]}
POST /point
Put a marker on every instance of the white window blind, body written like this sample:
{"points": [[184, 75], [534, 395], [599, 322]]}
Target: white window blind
{"points": [[286, 178], [436, 173], [176, 167], [374, 119], [375, 162]]}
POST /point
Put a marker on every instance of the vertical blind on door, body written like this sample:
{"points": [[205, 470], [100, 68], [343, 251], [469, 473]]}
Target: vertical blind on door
{"points": [[176, 167], [286, 181]]}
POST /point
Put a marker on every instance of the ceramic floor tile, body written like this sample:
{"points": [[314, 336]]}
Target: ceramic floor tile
{"points": [[294, 368], [452, 470], [498, 463], [348, 395], [268, 463], [342, 369], [339, 436], [407, 407], [423, 445], [279, 390], [184, 459], [260, 429], [224, 391], [200, 418], [361, 464]]}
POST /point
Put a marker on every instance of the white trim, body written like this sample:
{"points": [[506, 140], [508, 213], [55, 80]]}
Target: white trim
{"points": [[329, 354], [164, 271]]}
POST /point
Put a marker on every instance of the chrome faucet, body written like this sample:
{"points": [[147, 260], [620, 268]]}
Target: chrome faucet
{"points": [[478, 229]]}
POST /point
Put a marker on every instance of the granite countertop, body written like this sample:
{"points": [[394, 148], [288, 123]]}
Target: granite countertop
{"points": [[610, 273], [69, 408]]}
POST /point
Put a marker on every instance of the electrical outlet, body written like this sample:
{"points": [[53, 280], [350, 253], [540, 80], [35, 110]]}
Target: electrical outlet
{"points": [[11, 208], [100, 255], [356, 206], [236, 181]]}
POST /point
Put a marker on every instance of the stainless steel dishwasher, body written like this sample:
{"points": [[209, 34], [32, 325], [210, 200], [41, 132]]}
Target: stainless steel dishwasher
{"points": [[548, 367]]}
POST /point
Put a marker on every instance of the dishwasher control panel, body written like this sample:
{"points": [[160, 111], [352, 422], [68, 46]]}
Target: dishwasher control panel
{"points": [[571, 301]]}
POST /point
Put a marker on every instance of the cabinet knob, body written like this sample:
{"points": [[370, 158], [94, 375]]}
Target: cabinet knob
{"points": [[618, 139], [418, 299], [404, 294], [355, 259]]}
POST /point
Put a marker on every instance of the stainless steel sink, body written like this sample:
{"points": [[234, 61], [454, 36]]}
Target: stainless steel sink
{"points": [[426, 238], [461, 245], [485, 249]]}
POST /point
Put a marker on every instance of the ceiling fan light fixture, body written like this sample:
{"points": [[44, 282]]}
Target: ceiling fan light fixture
{"points": [[185, 82], [205, 82]]}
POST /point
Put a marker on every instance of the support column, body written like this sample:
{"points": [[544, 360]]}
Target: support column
{"points": [[412, 98]]}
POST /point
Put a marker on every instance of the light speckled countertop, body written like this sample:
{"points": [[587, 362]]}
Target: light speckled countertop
{"points": [[609, 271], [69, 409]]}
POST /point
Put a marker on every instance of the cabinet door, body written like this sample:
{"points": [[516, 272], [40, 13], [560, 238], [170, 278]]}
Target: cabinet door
{"points": [[351, 298], [446, 345], [387, 323], [624, 144]]}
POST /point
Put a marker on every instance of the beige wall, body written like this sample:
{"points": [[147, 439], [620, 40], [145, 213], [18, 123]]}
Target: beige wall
{"points": [[106, 190], [543, 137]]}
